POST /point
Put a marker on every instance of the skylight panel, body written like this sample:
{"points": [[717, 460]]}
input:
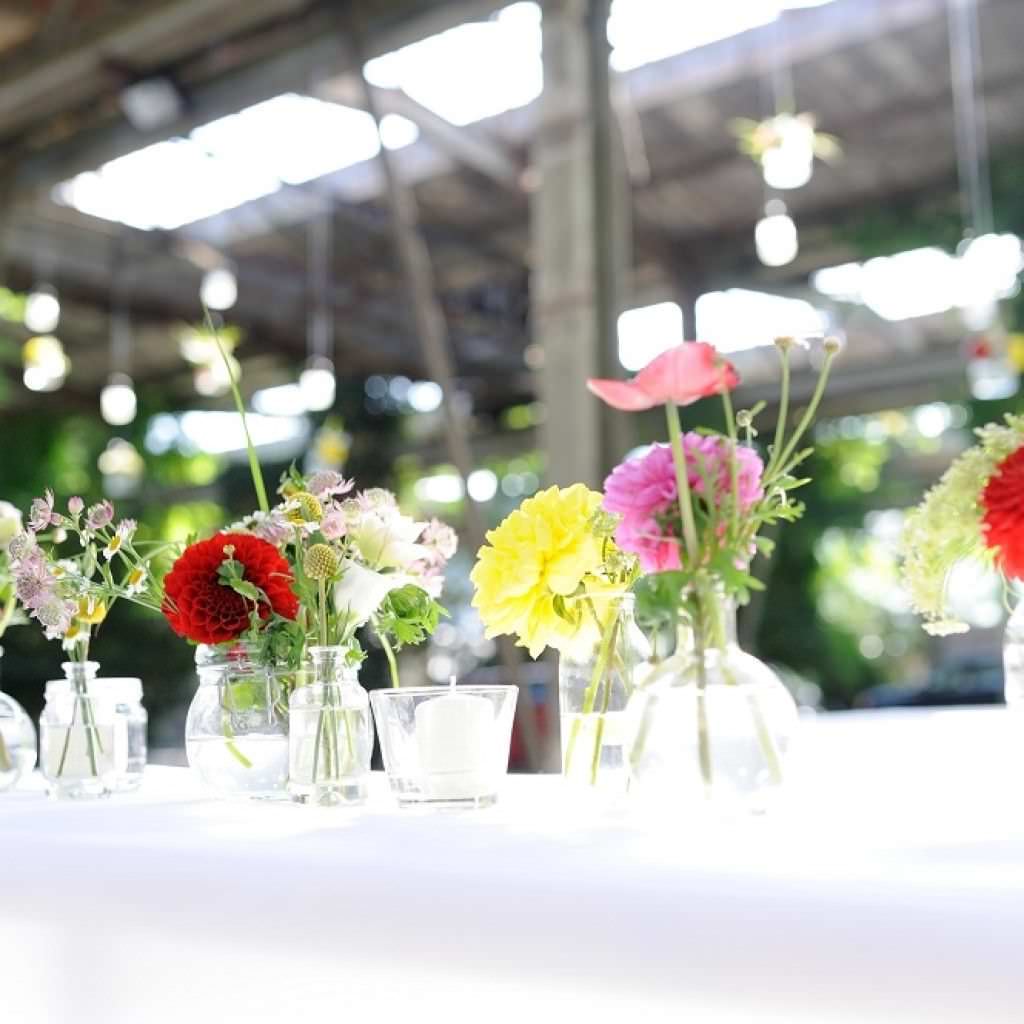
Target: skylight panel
{"points": [[290, 139], [740, 319], [643, 31], [488, 67]]}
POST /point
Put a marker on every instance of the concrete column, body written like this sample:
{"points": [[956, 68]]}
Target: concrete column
{"points": [[579, 229]]}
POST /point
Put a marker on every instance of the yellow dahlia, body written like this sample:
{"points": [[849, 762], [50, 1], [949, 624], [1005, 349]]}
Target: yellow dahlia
{"points": [[543, 552]]}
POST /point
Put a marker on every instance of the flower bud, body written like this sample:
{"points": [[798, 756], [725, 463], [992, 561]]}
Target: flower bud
{"points": [[785, 342], [744, 420], [832, 345]]}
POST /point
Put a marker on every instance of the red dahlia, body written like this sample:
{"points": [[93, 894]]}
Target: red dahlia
{"points": [[1003, 502], [198, 606]]}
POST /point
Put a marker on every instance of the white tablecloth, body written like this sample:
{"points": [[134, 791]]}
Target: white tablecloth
{"points": [[888, 887]]}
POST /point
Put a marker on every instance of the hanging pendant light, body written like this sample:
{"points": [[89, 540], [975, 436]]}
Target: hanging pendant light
{"points": [[42, 309], [775, 235], [219, 288], [118, 404]]}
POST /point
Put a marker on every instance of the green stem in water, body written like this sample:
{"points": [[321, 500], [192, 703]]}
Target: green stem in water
{"points": [[254, 463], [590, 694], [703, 740], [389, 653], [675, 433], [323, 611]]}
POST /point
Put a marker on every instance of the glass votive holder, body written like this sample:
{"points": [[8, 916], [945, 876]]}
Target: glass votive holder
{"points": [[445, 746]]}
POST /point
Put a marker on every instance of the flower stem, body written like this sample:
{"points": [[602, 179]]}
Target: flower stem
{"points": [[734, 469], [675, 433], [780, 424], [389, 653], [323, 611], [808, 416], [254, 463], [703, 740]]}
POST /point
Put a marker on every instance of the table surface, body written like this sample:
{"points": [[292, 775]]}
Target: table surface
{"points": [[888, 886]]}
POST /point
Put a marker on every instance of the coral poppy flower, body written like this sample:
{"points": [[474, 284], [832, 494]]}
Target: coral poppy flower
{"points": [[1003, 502], [201, 608], [683, 374]]}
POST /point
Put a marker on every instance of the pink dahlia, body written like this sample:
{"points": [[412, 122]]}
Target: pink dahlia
{"points": [[643, 492]]}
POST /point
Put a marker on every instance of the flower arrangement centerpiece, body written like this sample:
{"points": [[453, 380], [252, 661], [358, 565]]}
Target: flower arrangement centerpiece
{"points": [[552, 577], [17, 734], [275, 603], [707, 718], [293, 585], [975, 512], [69, 593]]}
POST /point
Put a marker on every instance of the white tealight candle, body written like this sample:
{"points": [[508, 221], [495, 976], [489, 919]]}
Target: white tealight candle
{"points": [[455, 737]]}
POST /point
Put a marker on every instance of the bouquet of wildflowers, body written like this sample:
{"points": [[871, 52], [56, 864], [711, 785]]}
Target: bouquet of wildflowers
{"points": [[340, 561], [976, 511], [70, 592]]}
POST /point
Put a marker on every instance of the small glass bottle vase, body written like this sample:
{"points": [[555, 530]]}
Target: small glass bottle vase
{"points": [[236, 733], [594, 686], [330, 733], [17, 741], [79, 736], [713, 729]]}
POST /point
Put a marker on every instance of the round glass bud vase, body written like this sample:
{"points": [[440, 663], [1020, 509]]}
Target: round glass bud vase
{"points": [[595, 682], [78, 735], [17, 741], [330, 733], [1013, 658], [236, 733], [711, 729]]}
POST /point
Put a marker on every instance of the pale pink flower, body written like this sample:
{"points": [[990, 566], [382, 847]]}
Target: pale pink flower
{"points": [[440, 539], [327, 483], [99, 515], [75, 505], [334, 523], [41, 514]]}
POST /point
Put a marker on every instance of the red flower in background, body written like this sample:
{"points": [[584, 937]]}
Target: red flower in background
{"points": [[199, 607], [682, 375], [1003, 502]]}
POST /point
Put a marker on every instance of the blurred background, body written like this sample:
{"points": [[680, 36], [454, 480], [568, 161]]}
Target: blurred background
{"points": [[555, 190]]}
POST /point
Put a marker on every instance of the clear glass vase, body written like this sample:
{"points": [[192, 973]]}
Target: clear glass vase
{"points": [[595, 682], [133, 723], [17, 740], [709, 728], [236, 733], [1013, 659], [330, 733], [79, 738]]}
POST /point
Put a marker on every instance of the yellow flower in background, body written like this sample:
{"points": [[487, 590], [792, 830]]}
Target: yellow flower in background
{"points": [[542, 553]]}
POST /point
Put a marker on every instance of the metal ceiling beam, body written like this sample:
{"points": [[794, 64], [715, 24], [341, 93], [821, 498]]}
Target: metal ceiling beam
{"points": [[469, 146]]}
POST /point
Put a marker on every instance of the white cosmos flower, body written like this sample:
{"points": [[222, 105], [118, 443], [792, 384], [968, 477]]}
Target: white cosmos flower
{"points": [[361, 591]]}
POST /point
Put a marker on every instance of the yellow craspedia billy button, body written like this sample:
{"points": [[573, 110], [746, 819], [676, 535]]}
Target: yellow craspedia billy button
{"points": [[304, 508], [321, 562]]}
